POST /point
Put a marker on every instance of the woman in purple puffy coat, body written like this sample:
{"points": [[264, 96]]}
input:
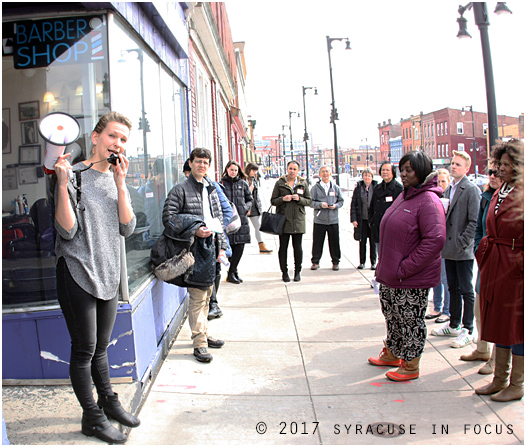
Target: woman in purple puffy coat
{"points": [[412, 235]]}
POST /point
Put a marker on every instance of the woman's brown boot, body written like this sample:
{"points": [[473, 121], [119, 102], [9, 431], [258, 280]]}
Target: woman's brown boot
{"points": [[263, 248], [502, 373], [409, 370], [515, 390], [386, 358]]}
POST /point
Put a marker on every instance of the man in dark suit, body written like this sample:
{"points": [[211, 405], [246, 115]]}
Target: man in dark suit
{"points": [[458, 253]]}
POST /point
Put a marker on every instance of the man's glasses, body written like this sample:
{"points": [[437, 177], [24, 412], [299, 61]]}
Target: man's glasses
{"points": [[493, 172]]}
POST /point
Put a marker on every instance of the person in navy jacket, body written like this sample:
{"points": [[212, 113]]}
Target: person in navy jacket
{"points": [[412, 235]]}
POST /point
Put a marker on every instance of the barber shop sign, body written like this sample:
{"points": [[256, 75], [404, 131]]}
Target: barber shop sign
{"points": [[66, 40]]}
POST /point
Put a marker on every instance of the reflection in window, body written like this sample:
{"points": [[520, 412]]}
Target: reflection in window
{"points": [[79, 89], [153, 100]]}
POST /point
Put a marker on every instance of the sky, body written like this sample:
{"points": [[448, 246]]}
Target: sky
{"points": [[405, 59]]}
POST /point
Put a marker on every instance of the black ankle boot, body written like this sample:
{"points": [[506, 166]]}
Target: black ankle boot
{"points": [[95, 423], [285, 276], [297, 276], [236, 275], [232, 278], [113, 408]]}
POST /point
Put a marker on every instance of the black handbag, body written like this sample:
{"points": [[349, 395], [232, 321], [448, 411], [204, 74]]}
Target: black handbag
{"points": [[272, 223], [357, 233]]}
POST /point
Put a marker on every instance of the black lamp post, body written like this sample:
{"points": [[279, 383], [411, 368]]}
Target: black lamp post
{"points": [[474, 140], [290, 129], [284, 148], [143, 121], [481, 19], [334, 111], [306, 135], [367, 152]]}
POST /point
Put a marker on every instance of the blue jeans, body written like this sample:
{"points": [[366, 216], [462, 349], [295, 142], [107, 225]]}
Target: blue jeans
{"points": [[515, 349], [437, 293], [461, 294]]}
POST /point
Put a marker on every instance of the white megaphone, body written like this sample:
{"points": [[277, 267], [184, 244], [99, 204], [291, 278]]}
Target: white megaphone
{"points": [[58, 130]]}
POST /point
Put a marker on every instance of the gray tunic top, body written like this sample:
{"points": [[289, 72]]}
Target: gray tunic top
{"points": [[91, 248]]}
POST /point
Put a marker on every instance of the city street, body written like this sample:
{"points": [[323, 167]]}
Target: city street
{"points": [[294, 370]]}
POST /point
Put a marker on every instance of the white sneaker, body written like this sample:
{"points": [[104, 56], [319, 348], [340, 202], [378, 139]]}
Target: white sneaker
{"points": [[464, 339], [446, 331]]}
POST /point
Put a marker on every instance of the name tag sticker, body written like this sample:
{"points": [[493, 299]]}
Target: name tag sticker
{"points": [[332, 193], [300, 191], [389, 199], [149, 195]]}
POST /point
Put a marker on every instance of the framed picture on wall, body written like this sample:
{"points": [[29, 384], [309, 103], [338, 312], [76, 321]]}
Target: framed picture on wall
{"points": [[6, 131], [29, 155], [29, 132], [29, 110], [9, 180], [27, 175]]}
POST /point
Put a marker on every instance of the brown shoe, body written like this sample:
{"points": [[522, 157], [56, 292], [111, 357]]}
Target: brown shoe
{"points": [[263, 248], [502, 373], [489, 366], [476, 355], [386, 358], [335, 267], [409, 370], [315, 266], [515, 390]]}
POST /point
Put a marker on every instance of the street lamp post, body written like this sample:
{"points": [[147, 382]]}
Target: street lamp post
{"points": [[290, 129], [284, 148], [480, 12], [143, 121], [334, 111], [367, 152], [306, 135], [474, 140]]}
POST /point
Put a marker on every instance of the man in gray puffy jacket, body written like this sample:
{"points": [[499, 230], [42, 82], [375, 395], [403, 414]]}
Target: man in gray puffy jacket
{"points": [[326, 199], [197, 196]]}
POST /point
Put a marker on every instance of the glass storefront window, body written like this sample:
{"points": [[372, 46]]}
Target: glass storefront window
{"points": [[153, 100], [75, 82]]}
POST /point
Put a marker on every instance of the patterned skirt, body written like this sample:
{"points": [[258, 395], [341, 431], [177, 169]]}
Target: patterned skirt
{"points": [[404, 311]]}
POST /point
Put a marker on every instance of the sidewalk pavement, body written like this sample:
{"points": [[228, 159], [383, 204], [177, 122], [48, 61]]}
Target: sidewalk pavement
{"points": [[293, 370]]}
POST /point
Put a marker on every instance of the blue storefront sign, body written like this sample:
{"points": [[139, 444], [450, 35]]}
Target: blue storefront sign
{"points": [[68, 40]]}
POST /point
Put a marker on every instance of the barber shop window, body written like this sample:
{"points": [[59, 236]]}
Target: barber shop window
{"points": [[153, 99], [48, 65]]}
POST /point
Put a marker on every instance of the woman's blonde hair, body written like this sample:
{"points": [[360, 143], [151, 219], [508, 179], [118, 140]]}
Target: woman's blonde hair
{"points": [[112, 117]]}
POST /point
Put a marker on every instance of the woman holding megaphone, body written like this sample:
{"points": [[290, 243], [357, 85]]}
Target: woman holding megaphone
{"points": [[91, 211]]}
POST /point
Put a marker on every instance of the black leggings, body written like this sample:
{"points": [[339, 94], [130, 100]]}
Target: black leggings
{"points": [[237, 252], [90, 322], [283, 249]]}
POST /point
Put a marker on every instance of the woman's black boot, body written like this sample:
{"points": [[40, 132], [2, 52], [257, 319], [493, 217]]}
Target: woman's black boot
{"points": [[95, 423], [232, 278], [113, 408]]}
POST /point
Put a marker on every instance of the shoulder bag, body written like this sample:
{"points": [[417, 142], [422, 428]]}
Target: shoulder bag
{"points": [[272, 223]]}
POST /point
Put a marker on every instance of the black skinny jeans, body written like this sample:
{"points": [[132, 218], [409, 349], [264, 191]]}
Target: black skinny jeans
{"points": [[90, 322], [283, 249], [367, 235], [237, 252]]}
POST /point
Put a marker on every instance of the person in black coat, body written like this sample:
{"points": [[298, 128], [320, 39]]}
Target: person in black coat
{"points": [[384, 194], [360, 205], [238, 192]]}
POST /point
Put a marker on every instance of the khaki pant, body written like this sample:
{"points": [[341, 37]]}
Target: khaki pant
{"points": [[482, 346], [198, 315]]}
